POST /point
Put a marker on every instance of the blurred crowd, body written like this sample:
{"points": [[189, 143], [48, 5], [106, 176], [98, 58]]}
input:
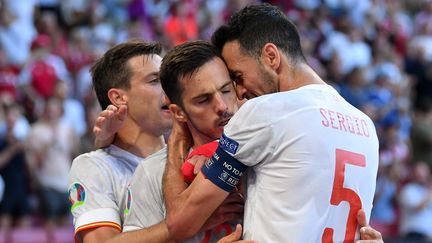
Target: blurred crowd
{"points": [[376, 53]]}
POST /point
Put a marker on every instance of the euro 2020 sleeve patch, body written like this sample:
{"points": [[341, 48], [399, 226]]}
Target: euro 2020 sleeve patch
{"points": [[76, 195]]}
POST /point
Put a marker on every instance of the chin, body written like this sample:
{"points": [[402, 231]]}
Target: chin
{"points": [[218, 133]]}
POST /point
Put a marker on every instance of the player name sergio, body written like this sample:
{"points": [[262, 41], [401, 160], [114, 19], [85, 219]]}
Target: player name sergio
{"points": [[344, 122]]}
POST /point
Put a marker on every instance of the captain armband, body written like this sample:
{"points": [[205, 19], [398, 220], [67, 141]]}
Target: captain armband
{"points": [[223, 170]]}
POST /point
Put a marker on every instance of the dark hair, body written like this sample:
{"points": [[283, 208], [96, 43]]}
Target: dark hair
{"points": [[256, 25], [112, 71], [183, 60]]}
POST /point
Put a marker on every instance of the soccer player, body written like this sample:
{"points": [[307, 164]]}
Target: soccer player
{"points": [[197, 82], [312, 157], [191, 73], [99, 180], [126, 75]]}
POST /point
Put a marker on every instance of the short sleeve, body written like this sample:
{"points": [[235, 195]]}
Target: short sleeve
{"points": [[248, 135], [91, 194], [147, 206]]}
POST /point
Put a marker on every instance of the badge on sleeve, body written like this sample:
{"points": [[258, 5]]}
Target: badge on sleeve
{"points": [[228, 144], [76, 195], [128, 201]]}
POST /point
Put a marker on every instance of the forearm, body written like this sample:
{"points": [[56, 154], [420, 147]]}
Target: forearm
{"points": [[173, 183], [157, 233], [193, 207]]}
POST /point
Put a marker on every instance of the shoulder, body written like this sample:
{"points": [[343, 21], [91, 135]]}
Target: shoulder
{"points": [[152, 166], [91, 165]]}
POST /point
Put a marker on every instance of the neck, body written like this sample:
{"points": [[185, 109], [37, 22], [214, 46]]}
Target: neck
{"points": [[136, 141], [296, 76], [199, 138]]}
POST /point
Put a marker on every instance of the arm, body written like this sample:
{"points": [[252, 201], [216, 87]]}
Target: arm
{"points": [[107, 124], [99, 234], [157, 233], [198, 201]]}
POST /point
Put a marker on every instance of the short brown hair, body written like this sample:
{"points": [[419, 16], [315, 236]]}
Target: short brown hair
{"points": [[183, 60], [112, 71]]}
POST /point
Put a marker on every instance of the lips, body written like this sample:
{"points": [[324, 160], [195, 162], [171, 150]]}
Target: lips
{"points": [[224, 122]]}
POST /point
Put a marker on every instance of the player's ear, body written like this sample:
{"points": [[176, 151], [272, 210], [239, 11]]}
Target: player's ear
{"points": [[178, 113], [117, 97], [271, 56]]}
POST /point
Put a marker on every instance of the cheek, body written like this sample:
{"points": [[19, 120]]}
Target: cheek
{"points": [[201, 119]]}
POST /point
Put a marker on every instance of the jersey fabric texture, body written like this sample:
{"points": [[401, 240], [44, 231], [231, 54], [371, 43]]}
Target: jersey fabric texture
{"points": [[313, 159], [98, 183], [147, 205]]}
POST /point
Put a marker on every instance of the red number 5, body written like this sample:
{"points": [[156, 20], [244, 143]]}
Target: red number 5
{"points": [[340, 194]]}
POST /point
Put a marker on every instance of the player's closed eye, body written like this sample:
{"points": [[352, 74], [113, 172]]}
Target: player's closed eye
{"points": [[154, 81], [203, 100]]}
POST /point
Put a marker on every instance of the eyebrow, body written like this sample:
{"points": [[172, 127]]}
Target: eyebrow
{"points": [[150, 75], [229, 82]]}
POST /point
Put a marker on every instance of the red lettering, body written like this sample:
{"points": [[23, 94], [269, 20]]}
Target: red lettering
{"points": [[341, 120], [347, 123], [365, 128], [332, 119], [350, 125], [326, 122], [356, 120]]}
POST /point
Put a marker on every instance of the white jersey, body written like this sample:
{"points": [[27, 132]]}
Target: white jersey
{"points": [[98, 184], [147, 205], [313, 159]]}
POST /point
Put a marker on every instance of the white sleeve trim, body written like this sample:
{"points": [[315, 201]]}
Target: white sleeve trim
{"points": [[98, 215], [130, 228]]}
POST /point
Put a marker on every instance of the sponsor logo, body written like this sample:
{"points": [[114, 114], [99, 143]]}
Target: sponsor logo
{"points": [[223, 176], [228, 144], [76, 195]]}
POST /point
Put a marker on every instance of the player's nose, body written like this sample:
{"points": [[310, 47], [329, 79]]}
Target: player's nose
{"points": [[221, 106]]}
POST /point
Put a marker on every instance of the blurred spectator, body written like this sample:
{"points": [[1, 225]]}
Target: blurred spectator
{"points": [[421, 133], [384, 215], [38, 77], [47, 24], [73, 110], [87, 140], [181, 24], [17, 29], [8, 75], [393, 150], [354, 88], [51, 145], [346, 38], [14, 208], [423, 18], [416, 205]]}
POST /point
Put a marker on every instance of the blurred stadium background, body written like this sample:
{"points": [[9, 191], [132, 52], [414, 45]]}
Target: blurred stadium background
{"points": [[377, 53]]}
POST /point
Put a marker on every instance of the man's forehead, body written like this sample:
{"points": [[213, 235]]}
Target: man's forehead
{"points": [[145, 63]]}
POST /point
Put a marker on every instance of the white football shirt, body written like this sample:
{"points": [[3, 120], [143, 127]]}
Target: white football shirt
{"points": [[313, 159], [147, 205], [98, 184]]}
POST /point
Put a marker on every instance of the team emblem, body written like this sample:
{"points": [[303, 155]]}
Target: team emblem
{"points": [[128, 201], [76, 195]]}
